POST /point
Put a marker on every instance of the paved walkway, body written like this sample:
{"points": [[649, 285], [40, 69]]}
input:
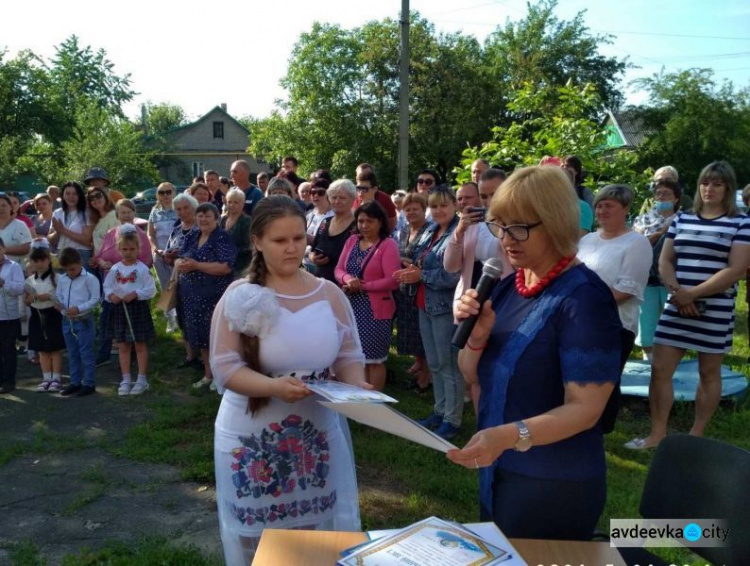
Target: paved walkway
{"points": [[70, 493]]}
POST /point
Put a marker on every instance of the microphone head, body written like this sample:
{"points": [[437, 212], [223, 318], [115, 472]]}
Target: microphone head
{"points": [[493, 268]]}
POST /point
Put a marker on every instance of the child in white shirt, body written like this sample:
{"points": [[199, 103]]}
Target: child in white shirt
{"points": [[129, 286], [77, 294], [45, 323]]}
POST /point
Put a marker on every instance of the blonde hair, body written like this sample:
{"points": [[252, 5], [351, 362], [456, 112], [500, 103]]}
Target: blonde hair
{"points": [[128, 237], [541, 194], [415, 198], [164, 185], [441, 195], [724, 173]]}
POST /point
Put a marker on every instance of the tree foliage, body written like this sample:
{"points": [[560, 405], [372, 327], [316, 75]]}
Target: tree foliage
{"points": [[43, 111], [569, 129], [98, 137], [343, 89], [694, 122]]}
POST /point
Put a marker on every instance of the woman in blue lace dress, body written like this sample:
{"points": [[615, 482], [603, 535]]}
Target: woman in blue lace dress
{"points": [[546, 368]]}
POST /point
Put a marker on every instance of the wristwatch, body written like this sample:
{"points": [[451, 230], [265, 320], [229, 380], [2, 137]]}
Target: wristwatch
{"points": [[524, 438]]}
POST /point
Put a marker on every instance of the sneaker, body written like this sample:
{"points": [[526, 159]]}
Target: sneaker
{"points": [[447, 430], [432, 422], [54, 386], [21, 350], [125, 388], [103, 362], [140, 387], [171, 325], [43, 386], [86, 390], [70, 389], [202, 382]]}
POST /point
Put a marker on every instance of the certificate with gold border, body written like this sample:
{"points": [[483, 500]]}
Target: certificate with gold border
{"points": [[431, 542]]}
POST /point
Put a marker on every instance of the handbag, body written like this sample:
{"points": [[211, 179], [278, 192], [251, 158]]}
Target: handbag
{"points": [[168, 298]]}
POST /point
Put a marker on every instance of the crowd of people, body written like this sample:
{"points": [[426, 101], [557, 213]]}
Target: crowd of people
{"points": [[344, 259]]}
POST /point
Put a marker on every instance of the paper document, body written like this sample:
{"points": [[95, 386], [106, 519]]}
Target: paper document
{"points": [[488, 531], [385, 418], [339, 392], [432, 542]]}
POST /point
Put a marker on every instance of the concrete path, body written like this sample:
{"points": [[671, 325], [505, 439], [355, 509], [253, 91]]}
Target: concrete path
{"points": [[70, 493]]}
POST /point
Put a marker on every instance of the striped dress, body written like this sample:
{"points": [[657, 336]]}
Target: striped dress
{"points": [[702, 249]]}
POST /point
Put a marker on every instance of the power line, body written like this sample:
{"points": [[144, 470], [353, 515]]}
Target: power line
{"points": [[660, 34]]}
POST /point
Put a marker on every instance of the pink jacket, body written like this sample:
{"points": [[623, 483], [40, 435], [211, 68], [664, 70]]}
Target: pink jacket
{"points": [[109, 252], [377, 280], [459, 256]]}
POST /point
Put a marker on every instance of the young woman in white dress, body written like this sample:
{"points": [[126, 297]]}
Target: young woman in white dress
{"points": [[282, 460]]}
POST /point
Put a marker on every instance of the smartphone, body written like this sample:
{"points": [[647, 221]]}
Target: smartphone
{"points": [[477, 210], [319, 252]]}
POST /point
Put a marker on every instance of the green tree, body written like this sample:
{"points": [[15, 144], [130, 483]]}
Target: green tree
{"points": [[342, 105], [112, 142], [161, 117], [567, 130], [547, 52], [694, 122]]}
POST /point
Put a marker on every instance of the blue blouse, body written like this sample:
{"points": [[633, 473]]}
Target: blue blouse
{"points": [[575, 339], [219, 248]]}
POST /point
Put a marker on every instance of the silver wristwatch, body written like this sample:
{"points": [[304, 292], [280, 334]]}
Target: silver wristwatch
{"points": [[524, 438]]}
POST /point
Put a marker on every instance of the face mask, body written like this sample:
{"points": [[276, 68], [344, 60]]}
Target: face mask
{"points": [[664, 206]]}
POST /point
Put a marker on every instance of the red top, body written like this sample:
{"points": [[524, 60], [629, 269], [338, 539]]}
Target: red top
{"points": [[383, 200]]}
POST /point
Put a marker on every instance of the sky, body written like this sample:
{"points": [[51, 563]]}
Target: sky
{"points": [[201, 54]]}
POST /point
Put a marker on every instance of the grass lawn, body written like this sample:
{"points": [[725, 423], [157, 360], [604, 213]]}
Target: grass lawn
{"points": [[400, 481]]}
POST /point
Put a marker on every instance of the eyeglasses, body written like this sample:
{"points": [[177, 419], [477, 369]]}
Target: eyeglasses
{"points": [[163, 193], [518, 232], [318, 192], [362, 189], [425, 181], [95, 196]]}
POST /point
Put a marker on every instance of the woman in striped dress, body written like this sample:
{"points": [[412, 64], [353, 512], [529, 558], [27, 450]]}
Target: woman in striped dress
{"points": [[705, 254]]}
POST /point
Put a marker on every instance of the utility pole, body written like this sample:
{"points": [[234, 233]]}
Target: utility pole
{"points": [[403, 102]]}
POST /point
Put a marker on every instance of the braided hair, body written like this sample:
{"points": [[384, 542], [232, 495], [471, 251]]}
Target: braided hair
{"points": [[267, 211]]}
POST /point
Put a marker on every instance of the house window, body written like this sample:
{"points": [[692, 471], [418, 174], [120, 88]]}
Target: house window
{"points": [[198, 168], [219, 130]]}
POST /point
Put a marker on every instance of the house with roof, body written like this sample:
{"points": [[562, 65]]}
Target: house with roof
{"points": [[214, 141], [625, 129]]}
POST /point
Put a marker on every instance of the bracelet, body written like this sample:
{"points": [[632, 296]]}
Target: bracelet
{"points": [[473, 349]]}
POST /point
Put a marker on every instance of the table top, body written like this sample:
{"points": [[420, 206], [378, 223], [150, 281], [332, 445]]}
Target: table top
{"points": [[321, 548]]}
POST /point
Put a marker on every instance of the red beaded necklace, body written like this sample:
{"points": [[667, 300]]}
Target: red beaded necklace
{"points": [[538, 287]]}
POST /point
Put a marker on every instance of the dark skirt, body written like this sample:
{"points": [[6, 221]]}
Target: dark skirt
{"points": [[408, 338], [45, 330], [140, 319]]}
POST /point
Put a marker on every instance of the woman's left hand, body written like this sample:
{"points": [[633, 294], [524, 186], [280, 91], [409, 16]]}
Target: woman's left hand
{"points": [[483, 448], [689, 311]]}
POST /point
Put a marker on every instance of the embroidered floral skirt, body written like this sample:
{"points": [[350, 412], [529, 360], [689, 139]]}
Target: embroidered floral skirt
{"points": [[288, 466]]}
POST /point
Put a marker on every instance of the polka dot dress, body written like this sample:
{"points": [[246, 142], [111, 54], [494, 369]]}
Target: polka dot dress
{"points": [[375, 335]]}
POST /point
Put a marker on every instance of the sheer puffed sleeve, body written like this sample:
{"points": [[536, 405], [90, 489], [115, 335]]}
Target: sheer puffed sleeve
{"points": [[350, 362], [244, 308]]}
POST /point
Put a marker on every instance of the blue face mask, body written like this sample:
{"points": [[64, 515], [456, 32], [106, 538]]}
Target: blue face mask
{"points": [[664, 206]]}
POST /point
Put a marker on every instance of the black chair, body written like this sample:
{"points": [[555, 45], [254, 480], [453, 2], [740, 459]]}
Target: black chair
{"points": [[698, 478]]}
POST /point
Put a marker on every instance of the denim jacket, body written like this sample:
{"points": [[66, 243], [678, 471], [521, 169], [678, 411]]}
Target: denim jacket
{"points": [[439, 284]]}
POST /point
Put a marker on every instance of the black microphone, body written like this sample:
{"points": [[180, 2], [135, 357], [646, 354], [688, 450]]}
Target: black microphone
{"points": [[491, 272]]}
